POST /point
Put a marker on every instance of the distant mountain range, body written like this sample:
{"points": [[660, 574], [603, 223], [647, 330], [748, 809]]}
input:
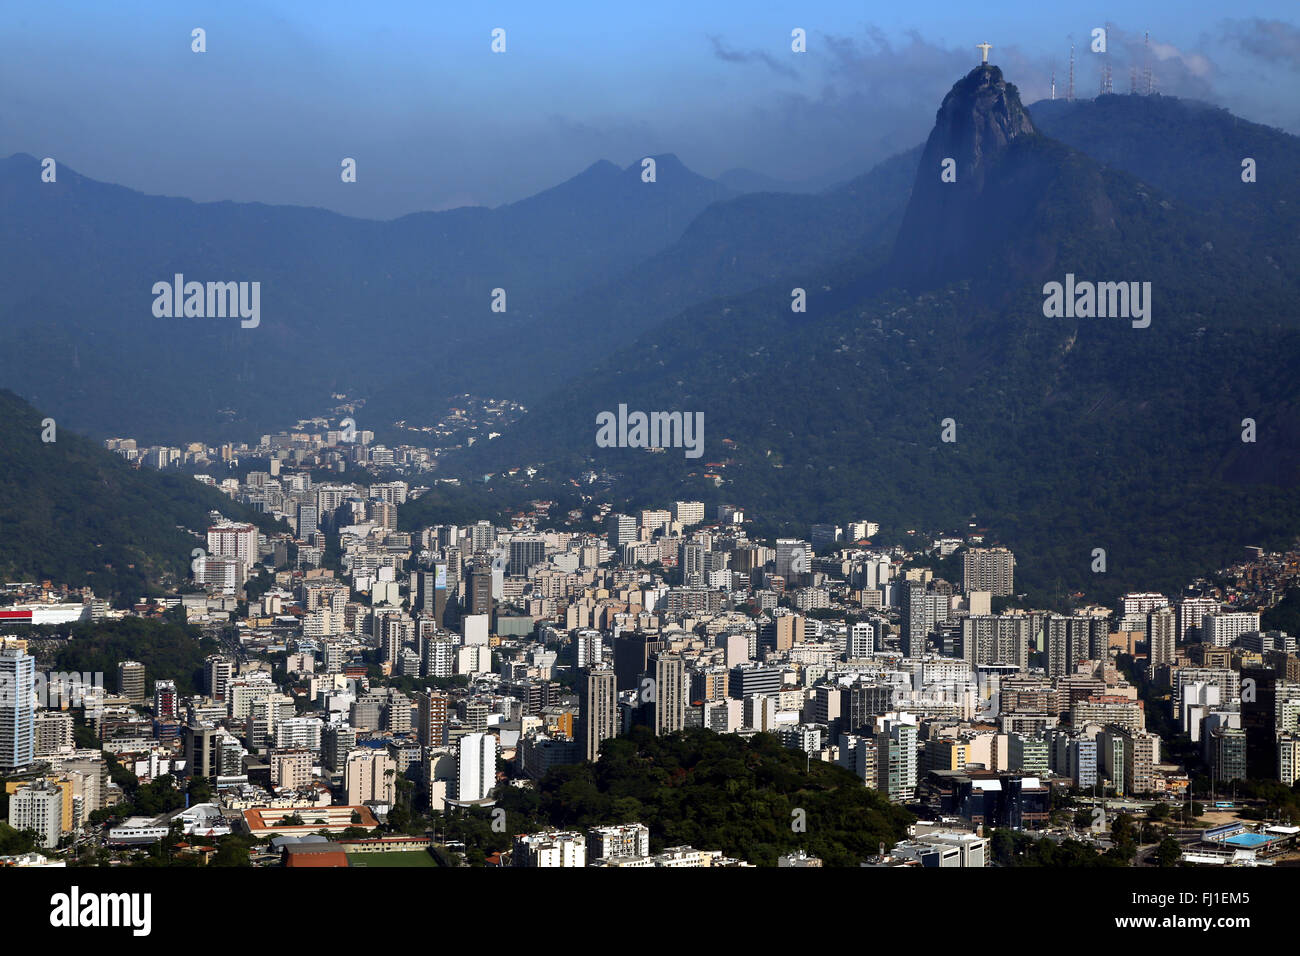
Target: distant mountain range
{"points": [[925, 302], [346, 304]]}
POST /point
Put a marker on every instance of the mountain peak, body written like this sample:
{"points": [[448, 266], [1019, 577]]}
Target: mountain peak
{"points": [[974, 129], [979, 117], [664, 162], [601, 167]]}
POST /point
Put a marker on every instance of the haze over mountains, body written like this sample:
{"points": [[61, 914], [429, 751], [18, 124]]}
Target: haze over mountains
{"points": [[75, 309], [925, 302]]}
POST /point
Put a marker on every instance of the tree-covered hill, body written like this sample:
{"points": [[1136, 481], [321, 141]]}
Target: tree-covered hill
{"points": [[752, 799], [718, 791], [74, 513], [169, 650]]}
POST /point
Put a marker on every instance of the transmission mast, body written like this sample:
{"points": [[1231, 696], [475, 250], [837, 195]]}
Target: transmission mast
{"points": [[1146, 62], [1069, 90], [1107, 86]]}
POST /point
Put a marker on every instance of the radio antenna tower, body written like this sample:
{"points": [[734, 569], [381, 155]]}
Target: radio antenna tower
{"points": [[1146, 62], [1107, 85], [1069, 90], [1053, 84], [1133, 80]]}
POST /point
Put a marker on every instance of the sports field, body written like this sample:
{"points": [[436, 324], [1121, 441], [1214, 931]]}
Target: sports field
{"points": [[403, 858]]}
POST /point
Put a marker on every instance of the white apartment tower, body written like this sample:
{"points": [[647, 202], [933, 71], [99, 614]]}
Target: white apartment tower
{"points": [[17, 710], [1223, 629], [234, 540], [476, 766]]}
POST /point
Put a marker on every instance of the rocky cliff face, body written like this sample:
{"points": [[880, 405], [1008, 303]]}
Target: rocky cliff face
{"points": [[980, 120], [979, 117]]}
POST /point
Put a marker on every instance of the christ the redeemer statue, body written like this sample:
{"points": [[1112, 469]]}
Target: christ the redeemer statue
{"points": [[984, 48]]}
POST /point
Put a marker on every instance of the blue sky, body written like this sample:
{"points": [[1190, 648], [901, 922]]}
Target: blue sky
{"points": [[435, 119]]}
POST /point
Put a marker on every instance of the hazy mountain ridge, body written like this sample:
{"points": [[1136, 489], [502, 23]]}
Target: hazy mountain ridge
{"points": [[82, 257]]}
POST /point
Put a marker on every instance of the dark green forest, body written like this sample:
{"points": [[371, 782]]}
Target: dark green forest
{"points": [[710, 791], [169, 650]]}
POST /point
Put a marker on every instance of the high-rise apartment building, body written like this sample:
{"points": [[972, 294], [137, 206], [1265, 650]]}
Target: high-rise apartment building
{"points": [[1027, 755], [655, 520], [1141, 754], [922, 612], [337, 741], [618, 842], [1288, 758], [438, 656], [53, 733], [621, 530], [17, 710], [1191, 612], [896, 760], [38, 807], [989, 569], [308, 521], [1224, 627], [476, 766], [589, 647], [863, 639], [217, 672], [526, 552], [1070, 640], [597, 710], [1141, 602], [370, 774], [670, 694], [291, 769], [996, 639], [782, 631], [164, 699], [431, 720], [688, 513], [482, 536], [1162, 637], [234, 540], [131, 681], [550, 849]]}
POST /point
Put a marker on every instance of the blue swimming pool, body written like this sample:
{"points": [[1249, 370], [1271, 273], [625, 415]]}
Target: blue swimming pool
{"points": [[1247, 839]]}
